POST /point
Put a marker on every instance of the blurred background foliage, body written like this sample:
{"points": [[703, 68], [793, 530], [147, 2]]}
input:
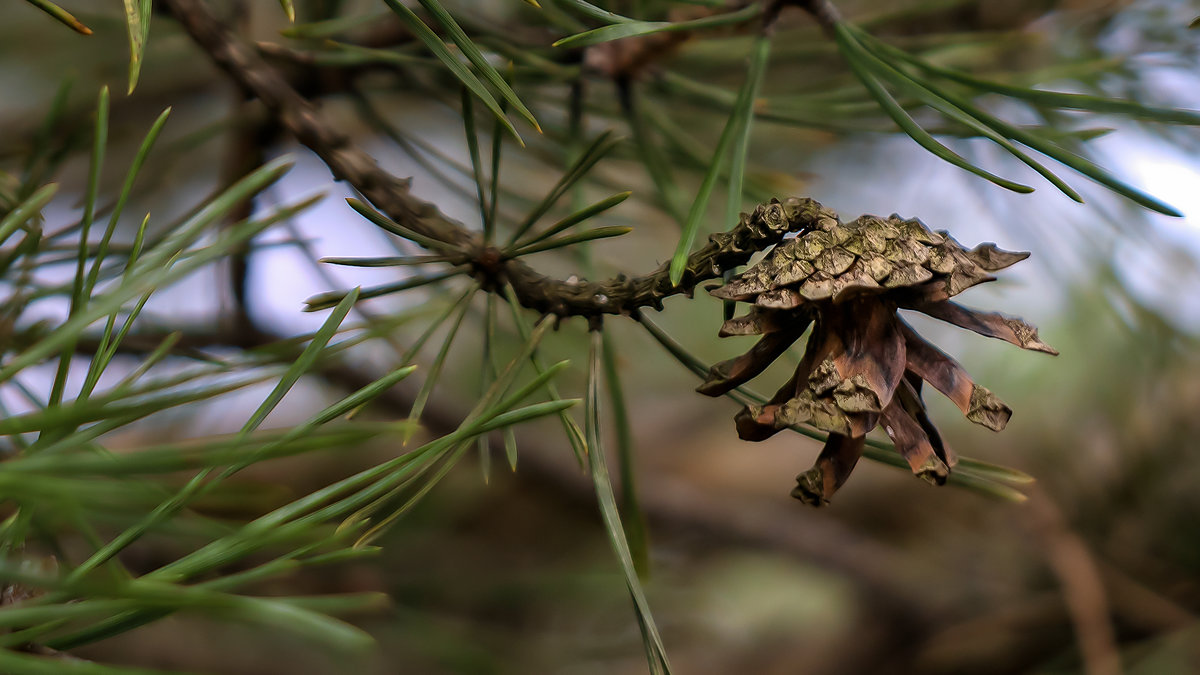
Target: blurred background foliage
{"points": [[495, 570]]}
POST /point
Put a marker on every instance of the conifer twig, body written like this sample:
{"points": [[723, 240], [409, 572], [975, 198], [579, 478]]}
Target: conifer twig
{"points": [[391, 195]]}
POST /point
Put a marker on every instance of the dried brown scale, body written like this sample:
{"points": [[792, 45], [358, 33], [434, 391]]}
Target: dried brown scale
{"points": [[862, 365], [727, 375], [759, 321], [909, 395], [1007, 328], [912, 443]]}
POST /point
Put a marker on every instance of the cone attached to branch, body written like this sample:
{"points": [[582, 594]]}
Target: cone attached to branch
{"points": [[863, 366]]}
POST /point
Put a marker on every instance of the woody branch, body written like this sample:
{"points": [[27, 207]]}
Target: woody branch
{"points": [[391, 195]]}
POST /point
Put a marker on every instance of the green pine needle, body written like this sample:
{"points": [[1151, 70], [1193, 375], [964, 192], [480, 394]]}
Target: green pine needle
{"points": [[61, 15], [631, 511], [439, 49], [597, 150], [610, 513], [477, 59], [569, 240], [862, 69], [137, 20], [574, 219], [735, 128], [627, 28]]}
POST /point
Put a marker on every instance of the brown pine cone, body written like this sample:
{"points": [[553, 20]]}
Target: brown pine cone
{"points": [[863, 365]]}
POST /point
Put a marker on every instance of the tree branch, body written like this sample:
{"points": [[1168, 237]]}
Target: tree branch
{"points": [[391, 195]]}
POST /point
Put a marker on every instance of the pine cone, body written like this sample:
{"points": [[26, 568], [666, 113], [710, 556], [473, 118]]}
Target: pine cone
{"points": [[863, 365]]}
